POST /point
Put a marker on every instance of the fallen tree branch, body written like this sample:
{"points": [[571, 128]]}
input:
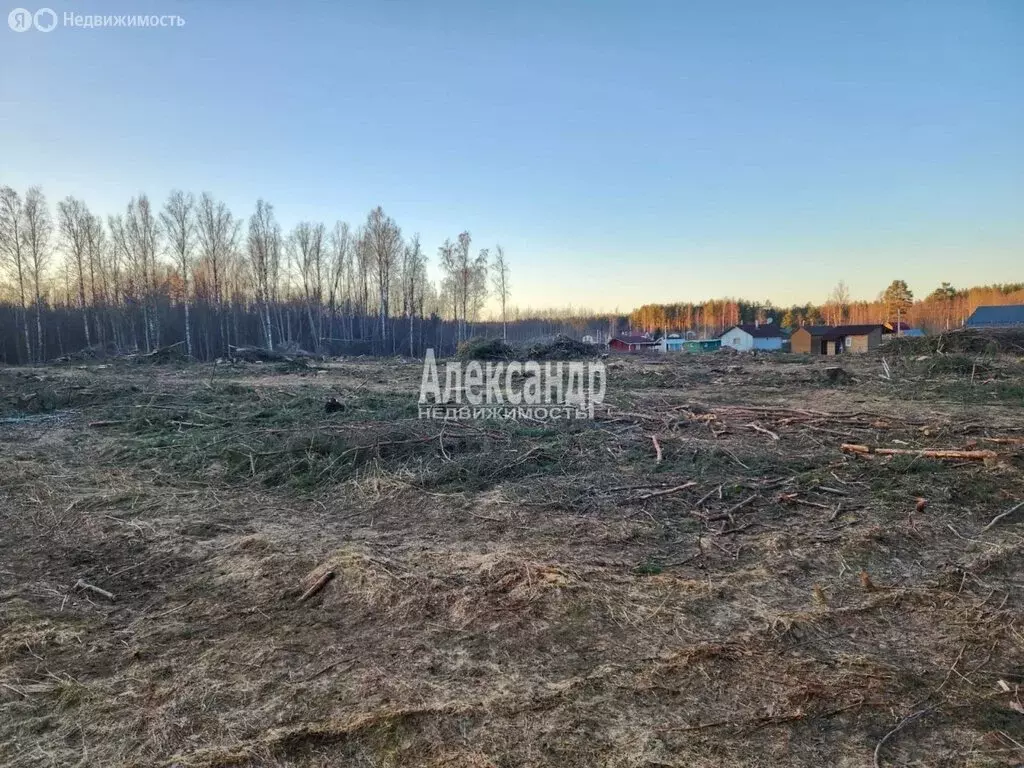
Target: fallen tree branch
{"points": [[666, 492], [708, 495], [792, 498], [737, 507], [758, 428], [84, 585], [925, 453], [761, 722], [657, 449], [727, 515], [317, 586], [899, 727], [999, 517]]}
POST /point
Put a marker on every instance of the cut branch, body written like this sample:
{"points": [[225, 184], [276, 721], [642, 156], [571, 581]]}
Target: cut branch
{"points": [[317, 586], [81, 584], [758, 428], [999, 517], [667, 491], [925, 453]]}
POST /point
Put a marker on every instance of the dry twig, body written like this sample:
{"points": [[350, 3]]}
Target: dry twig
{"points": [[1000, 516], [758, 428], [667, 491], [899, 727], [82, 584]]}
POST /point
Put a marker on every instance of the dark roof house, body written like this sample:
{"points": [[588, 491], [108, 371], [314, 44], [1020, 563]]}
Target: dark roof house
{"points": [[996, 317], [631, 342], [834, 339]]}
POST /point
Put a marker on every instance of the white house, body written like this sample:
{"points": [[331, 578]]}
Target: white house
{"points": [[745, 338], [671, 343]]}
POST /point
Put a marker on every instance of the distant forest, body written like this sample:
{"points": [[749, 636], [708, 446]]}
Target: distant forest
{"points": [[192, 273], [944, 308]]}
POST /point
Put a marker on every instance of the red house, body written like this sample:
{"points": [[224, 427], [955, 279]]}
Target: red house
{"points": [[631, 343]]}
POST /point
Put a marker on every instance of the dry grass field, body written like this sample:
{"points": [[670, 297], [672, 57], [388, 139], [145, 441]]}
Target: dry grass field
{"points": [[513, 594]]}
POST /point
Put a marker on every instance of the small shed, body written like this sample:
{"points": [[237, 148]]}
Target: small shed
{"points": [[702, 345], [632, 343], [1005, 316], [836, 339], [756, 336]]}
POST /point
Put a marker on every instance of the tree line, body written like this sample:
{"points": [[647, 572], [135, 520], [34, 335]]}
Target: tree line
{"points": [[944, 308], [191, 271]]}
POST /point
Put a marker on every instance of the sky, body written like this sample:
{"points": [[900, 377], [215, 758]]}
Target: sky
{"points": [[621, 152]]}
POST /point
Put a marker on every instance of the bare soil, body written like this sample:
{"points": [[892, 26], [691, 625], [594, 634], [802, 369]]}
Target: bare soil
{"points": [[510, 594]]}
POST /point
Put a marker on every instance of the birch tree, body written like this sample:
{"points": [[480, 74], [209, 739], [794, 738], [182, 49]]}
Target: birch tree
{"points": [[36, 234], [75, 223], [384, 239], [502, 288], [340, 269], [264, 246], [477, 289], [96, 248], [142, 244], [838, 303], [465, 279], [179, 225], [12, 254], [127, 283], [307, 244], [414, 276], [361, 278], [217, 233]]}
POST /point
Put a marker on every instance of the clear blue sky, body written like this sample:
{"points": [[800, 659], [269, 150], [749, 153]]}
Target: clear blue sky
{"points": [[621, 152]]}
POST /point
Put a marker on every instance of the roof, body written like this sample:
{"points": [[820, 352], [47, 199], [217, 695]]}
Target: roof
{"points": [[763, 331], [899, 327], [634, 338], [1007, 314], [839, 331]]}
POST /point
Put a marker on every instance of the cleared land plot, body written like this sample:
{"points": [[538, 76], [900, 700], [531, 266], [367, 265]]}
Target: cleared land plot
{"points": [[511, 594]]}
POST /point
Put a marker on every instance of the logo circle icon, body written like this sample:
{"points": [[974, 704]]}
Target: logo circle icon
{"points": [[45, 19], [20, 20]]}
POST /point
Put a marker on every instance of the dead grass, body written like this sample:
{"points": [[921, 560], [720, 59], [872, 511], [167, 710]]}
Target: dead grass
{"points": [[511, 594]]}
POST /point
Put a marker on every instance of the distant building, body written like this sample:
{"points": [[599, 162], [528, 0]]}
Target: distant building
{"points": [[757, 336], [671, 343], [836, 339], [676, 343], [702, 345], [900, 328], [632, 343], [1006, 316]]}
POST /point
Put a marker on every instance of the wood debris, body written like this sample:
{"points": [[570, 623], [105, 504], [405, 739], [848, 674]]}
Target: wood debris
{"points": [[657, 449], [979, 455], [317, 586], [85, 586]]}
